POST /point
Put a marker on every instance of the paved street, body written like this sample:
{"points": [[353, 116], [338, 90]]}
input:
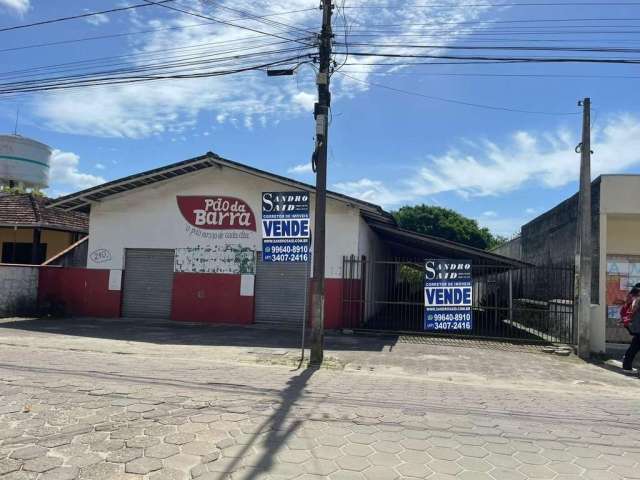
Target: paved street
{"points": [[97, 400]]}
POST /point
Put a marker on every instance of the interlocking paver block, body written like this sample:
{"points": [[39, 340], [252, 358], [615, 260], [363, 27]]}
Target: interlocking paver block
{"points": [[28, 453], [179, 438], [316, 466], [168, 474], [124, 455], [142, 442], [387, 447], [198, 448], [183, 462], [531, 458], [8, 465], [443, 453], [380, 473], [42, 464], [139, 408], [384, 459], [357, 450], [61, 473], [294, 456], [143, 466], [503, 474], [162, 450], [357, 464], [325, 452], [445, 467], [414, 470], [537, 471]]}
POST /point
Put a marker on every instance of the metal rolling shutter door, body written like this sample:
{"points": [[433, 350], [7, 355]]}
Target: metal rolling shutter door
{"points": [[279, 292], [148, 283]]}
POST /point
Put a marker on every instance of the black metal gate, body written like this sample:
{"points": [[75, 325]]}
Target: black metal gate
{"points": [[529, 304]]}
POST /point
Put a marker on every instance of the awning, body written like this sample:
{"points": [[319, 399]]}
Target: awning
{"points": [[412, 245]]}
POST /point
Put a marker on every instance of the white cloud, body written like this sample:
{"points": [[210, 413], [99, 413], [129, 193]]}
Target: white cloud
{"points": [[65, 172], [505, 226], [301, 168], [100, 166], [18, 6], [373, 191], [161, 107], [305, 100], [490, 213], [98, 19], [546, 159]]}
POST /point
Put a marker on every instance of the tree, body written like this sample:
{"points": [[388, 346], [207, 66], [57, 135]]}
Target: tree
{"points": [[448, 224]]}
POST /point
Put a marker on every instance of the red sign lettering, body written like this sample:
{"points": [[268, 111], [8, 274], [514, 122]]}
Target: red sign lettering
{"points": [[217, 213]]}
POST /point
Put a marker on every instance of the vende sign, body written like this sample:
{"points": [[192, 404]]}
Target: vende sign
{"points": [[217, 213]]}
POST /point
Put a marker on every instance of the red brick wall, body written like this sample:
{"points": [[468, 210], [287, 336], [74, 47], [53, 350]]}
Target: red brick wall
{"points": [[210, 298], [82, 291]]}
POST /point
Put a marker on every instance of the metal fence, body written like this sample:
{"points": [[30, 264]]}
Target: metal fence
{"points": [[532, 304]]}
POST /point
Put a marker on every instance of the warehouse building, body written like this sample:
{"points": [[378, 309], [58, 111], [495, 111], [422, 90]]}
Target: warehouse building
{"points": [[550, 239], [184, 242]]}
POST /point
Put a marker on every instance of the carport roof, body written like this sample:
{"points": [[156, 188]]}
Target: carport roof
{"points": [[83, 199], [417, 244]]}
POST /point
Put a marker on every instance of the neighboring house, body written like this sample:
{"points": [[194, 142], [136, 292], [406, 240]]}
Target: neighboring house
{"points": [[615, 219], [32, 233]]}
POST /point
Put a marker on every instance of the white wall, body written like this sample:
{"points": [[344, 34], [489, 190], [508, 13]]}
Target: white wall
{"points": [[148, 217]]}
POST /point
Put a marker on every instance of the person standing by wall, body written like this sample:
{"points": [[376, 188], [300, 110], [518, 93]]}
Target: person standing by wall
{"points": [[631, 320]]}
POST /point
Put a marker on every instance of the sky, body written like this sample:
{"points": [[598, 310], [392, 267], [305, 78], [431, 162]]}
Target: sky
{"points": [[495, 142]]}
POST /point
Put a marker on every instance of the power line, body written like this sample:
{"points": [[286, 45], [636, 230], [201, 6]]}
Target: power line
{"points": [[500, 59], [7, 89], [147, 69], [83, 15], [218, 20], [457, 102], [147, 55], [498, 47], [528, 4], [141, 32], [489, 75]]}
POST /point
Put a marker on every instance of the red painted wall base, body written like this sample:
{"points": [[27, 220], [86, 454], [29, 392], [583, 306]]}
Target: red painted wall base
{"points": [[80, 291], [210, 298]]}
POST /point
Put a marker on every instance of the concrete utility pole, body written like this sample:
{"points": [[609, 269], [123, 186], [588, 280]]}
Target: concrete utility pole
{"points": [[584, 235], [321, 113]]}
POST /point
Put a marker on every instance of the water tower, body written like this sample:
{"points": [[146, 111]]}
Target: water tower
{"points": [[24, 162]]}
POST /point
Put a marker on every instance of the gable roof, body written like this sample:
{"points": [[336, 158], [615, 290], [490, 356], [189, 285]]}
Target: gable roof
{"points": [[26, 210], [82, 200]]}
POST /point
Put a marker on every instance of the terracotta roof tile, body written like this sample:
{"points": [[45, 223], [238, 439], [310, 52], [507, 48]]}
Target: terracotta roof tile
{"points": [[29, 211]]}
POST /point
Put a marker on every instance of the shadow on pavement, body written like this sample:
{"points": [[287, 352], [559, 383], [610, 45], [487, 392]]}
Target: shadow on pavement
{"points": [[166, 332], [279, 427]]}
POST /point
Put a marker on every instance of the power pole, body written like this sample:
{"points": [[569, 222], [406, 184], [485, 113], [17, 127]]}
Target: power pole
{"points": [[584, 235], [321, 113]]}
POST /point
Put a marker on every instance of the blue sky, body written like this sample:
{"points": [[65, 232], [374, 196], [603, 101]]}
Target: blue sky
{"points": [[501, 168]]}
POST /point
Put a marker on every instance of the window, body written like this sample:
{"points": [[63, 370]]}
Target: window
{"points": [[21, 253]]}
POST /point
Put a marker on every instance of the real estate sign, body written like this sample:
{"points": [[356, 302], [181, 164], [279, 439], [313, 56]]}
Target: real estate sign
{"points": [[286, 229], [448, 295]]}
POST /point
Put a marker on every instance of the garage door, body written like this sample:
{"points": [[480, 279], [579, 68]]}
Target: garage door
{"points": [[279, 292], [148, 283]]}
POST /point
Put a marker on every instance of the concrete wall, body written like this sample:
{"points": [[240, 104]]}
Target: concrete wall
{"points": [[18, 289], [511, 249], [551, 237]]}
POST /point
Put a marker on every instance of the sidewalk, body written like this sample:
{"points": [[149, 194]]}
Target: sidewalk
{"points": [[86, 399]]}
